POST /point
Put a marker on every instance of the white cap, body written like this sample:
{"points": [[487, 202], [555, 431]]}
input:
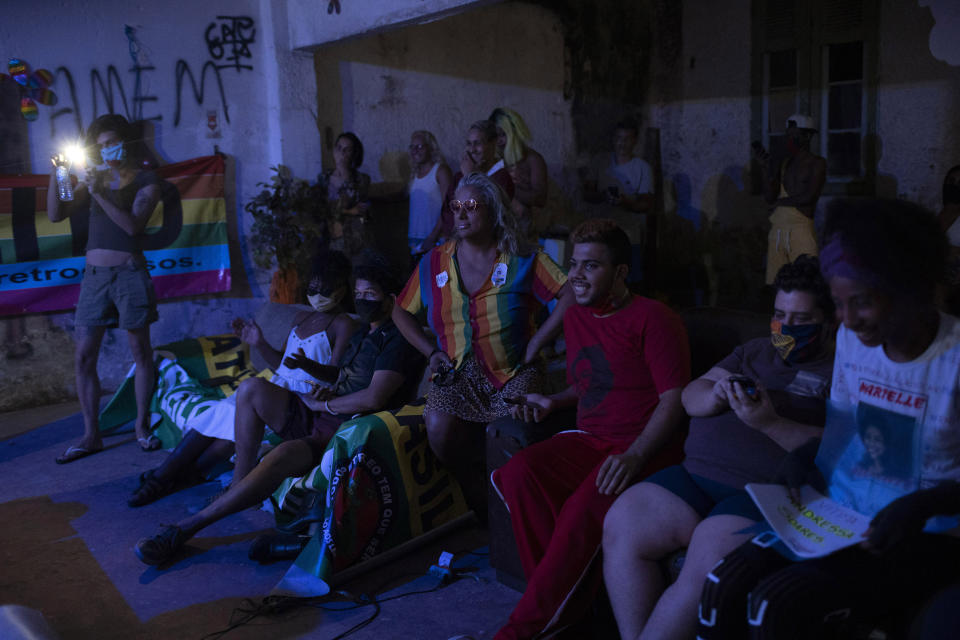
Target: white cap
{"points": [[802, 122]]}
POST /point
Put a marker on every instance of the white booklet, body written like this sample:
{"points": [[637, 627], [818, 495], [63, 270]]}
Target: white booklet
{"points": [[815, 526]]}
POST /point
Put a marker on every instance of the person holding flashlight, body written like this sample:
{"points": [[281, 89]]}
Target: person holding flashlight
{"points": [[116, 290]]}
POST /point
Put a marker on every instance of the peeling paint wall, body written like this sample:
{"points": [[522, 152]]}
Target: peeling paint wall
{"points": [[443, 76], [386, 67], [918, 98], [701, 99]]}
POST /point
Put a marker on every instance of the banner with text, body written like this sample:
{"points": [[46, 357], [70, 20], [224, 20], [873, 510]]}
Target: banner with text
{"points": [[41, 262], [381, 485]]}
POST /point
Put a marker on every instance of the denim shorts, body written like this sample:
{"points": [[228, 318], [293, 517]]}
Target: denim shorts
{"points": [[120, 296], [706, 497]]}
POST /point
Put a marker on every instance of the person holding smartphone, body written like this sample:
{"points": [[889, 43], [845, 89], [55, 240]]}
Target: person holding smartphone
{"points": [[765, 399]]}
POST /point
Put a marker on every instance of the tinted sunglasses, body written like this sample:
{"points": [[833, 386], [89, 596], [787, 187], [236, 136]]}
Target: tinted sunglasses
{"points": [[467, 205]]}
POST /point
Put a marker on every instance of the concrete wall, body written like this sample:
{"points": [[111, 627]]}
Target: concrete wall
{"points": [[309, 27], [384, 68], [715, 230], [918, 97], [443, 76], [265, 113]]}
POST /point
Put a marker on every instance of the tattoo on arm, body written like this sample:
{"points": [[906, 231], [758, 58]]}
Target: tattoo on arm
{"points": [[143, 205]]}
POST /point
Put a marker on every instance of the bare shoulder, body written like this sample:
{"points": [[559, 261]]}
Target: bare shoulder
{"points": [[343, 325], [299, 317], [534, 156]]}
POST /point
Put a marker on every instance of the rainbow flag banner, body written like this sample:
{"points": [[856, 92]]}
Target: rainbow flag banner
{"points": [[41, 262]]}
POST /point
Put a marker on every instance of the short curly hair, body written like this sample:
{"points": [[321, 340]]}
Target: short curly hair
{"points": [[900, 243], [606, 232], [803, 274], [332, 267], [374, 267]]}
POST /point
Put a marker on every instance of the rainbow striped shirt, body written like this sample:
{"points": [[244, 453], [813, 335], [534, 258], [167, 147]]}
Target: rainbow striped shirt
{"points": [[497, 321]]}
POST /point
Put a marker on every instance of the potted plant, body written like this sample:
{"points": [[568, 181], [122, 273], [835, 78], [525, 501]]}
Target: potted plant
{"points": [[289, 223]]}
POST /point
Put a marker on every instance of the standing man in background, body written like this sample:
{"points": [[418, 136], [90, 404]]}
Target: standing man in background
{"points": [[793, 188], [623, 184]]}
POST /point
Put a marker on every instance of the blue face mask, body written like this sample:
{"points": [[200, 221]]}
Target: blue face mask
{"points": [[114, 155]]}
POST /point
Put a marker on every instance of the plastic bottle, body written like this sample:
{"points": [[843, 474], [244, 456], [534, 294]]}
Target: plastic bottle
{"points": [[64, 186]]}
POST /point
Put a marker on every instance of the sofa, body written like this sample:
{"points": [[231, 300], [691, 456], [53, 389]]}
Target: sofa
{"points": [[713, 333]]}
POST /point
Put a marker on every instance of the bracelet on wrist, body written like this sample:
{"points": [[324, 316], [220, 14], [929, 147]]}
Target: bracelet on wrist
{"points": [[434, 352], [326, 405]]}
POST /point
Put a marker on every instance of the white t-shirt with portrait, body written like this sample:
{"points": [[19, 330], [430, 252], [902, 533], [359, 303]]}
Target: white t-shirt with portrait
{"points": [[892, 427]]}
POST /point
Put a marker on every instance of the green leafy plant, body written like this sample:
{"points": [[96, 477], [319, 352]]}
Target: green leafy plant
{"points": [[289, 221]]}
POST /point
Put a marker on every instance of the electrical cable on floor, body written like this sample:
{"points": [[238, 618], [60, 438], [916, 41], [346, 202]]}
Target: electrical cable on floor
{"points": [[276, 604]]}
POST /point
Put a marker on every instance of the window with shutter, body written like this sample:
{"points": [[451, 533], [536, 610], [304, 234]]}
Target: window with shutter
{"points": [[816, 57]]}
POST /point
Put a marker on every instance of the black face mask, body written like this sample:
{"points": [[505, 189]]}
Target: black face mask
{"points": [[368, 310], [951, 194]]}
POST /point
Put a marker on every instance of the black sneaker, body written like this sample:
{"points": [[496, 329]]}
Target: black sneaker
{"points": [[270, 547], [150, 490], [161, 547]]}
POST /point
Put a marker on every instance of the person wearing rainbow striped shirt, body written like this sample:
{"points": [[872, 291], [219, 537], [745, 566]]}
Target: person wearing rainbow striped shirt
{"points": [[480, 292]]}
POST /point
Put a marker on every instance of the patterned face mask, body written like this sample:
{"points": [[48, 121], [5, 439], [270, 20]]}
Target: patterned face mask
{"points": [[796, 342], [114, 155]]}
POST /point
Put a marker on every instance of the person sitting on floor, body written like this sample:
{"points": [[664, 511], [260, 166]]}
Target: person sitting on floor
{"points": [[379, 370], [480, 294], [321, 336], [627, 361], [763, 400], [897, 357]]}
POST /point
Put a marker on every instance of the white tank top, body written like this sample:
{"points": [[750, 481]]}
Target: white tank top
{"points": [[425, 203], [218, 421], [316, 347]]}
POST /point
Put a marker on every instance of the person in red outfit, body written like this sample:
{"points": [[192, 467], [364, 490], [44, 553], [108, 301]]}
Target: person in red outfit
{"points": [[627, 361]]}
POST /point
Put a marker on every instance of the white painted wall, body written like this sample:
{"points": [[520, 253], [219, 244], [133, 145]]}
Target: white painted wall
{"points": [[311, 25]]}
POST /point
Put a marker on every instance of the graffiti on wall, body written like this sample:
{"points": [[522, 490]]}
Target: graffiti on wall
{"points": [[228, 41], [232, 44]]}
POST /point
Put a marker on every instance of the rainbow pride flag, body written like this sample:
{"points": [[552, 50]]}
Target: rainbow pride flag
{"points": [[41, 262]]}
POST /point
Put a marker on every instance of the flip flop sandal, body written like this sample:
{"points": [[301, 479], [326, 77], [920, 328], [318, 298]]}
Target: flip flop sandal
{"points": [[151, 443], [75, 453]]}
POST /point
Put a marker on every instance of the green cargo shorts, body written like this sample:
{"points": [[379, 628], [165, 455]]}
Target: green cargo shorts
{"points": [[120, 296]]}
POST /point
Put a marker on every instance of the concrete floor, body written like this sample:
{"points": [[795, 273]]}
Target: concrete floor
{"points": [[90, 495]]}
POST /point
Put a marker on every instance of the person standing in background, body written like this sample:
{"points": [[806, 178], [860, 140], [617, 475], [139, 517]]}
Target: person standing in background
{"points": [[793, 188], [429, 182], [526, 166]]}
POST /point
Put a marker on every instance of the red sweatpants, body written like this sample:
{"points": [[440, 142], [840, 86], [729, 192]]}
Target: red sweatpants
{"points": [[557, 516]]}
